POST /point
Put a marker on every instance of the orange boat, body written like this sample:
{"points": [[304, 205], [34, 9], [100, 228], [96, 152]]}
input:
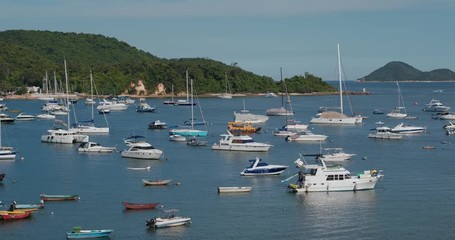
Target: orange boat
{"points": [[241, 128]]}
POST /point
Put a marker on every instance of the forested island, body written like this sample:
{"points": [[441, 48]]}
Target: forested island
{"points": [[27, 55], [400, 71]]}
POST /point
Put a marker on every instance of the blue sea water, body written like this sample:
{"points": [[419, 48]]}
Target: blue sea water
{"points": [[413, 201]]}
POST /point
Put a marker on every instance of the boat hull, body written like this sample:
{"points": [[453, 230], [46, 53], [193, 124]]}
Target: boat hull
{"points": [[357, 185], [337, 121], [188, 132], [139, 206], [234, 189], [88, 234], [263, 171], [156, 182], [46, 197], [14, 215], [242, 148], [155, 154], [169, 222]]}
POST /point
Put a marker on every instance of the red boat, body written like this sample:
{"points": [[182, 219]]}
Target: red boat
{"points": [[136, 206], [14, 215]]}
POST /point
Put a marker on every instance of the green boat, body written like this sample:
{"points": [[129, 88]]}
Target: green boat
{"points": [[47, 197]]}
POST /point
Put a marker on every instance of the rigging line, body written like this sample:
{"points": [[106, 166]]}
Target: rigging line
{"points": [[96, 92]]}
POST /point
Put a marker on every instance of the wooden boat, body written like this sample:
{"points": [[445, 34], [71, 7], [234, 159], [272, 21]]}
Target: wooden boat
{"points": [[14, 215], [79, 233], [139, 168], [156, 182], [138, 206], [47, 197], [234, 189]]}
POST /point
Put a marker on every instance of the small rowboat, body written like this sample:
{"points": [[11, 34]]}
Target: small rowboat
{"points": [[29, 206], [428, 147], [47, 197], [78, 233], [138, 206], [156, 182], [14, 215], [139, 168], [234, 189]]}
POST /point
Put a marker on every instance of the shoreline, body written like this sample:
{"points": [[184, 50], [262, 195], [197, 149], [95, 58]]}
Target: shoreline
{"points": [[211, 95]]}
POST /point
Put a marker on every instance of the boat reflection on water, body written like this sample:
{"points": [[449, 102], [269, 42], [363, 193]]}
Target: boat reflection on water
{"points": [[335, 201], [331, 214]]}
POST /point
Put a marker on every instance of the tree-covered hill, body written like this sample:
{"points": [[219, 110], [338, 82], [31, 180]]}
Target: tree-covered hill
{"points": [[26, 56], [400, 71]]}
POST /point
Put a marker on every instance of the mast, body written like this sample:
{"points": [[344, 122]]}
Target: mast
{"points": [[67, 94], [192, 106], [91, 91], [186, 77], [282, 93], [55, 85], [339, 78]]}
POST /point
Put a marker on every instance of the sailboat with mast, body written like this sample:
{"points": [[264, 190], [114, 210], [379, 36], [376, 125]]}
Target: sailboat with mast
{"points": [[283, 110], [64, 136], [170, 101], [89, 126], [226, 94], [6, 153], [185, 102], [400, 110], [335, 117], [189, 131]]}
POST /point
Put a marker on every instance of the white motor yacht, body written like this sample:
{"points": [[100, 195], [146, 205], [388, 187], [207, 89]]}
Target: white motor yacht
{"points": [[435, 106], [407, 129], [64, 136], [142, 150], [306, 136], [24, 117], [384, 132], [95, 147], [335, 155], [169, 221], [318, 177], [245, 143]]}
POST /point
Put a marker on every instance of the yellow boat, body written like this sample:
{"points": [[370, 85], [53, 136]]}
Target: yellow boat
{"points": [[238, 128]]}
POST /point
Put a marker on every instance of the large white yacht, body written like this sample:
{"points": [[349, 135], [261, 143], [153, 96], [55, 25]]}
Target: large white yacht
{"points": [[384, 132], [407, 129], [142, 150], [318, 177], [245, 143], [64, 136], [435, 106]]}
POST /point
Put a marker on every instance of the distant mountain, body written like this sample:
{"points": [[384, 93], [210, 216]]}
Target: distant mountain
{"points": [[400, 71]]}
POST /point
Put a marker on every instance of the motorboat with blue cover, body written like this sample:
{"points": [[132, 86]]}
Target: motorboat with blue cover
{"points": [[260, 168]]}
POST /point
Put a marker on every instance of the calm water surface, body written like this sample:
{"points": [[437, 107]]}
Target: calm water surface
{"points": [[414, 200]]}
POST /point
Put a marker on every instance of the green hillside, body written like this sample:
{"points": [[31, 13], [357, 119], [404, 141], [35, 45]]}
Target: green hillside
{"points": [[26, 56], [400, 71]]}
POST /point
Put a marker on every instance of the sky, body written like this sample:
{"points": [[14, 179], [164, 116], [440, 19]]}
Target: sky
{"points": [[261, 36]]}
